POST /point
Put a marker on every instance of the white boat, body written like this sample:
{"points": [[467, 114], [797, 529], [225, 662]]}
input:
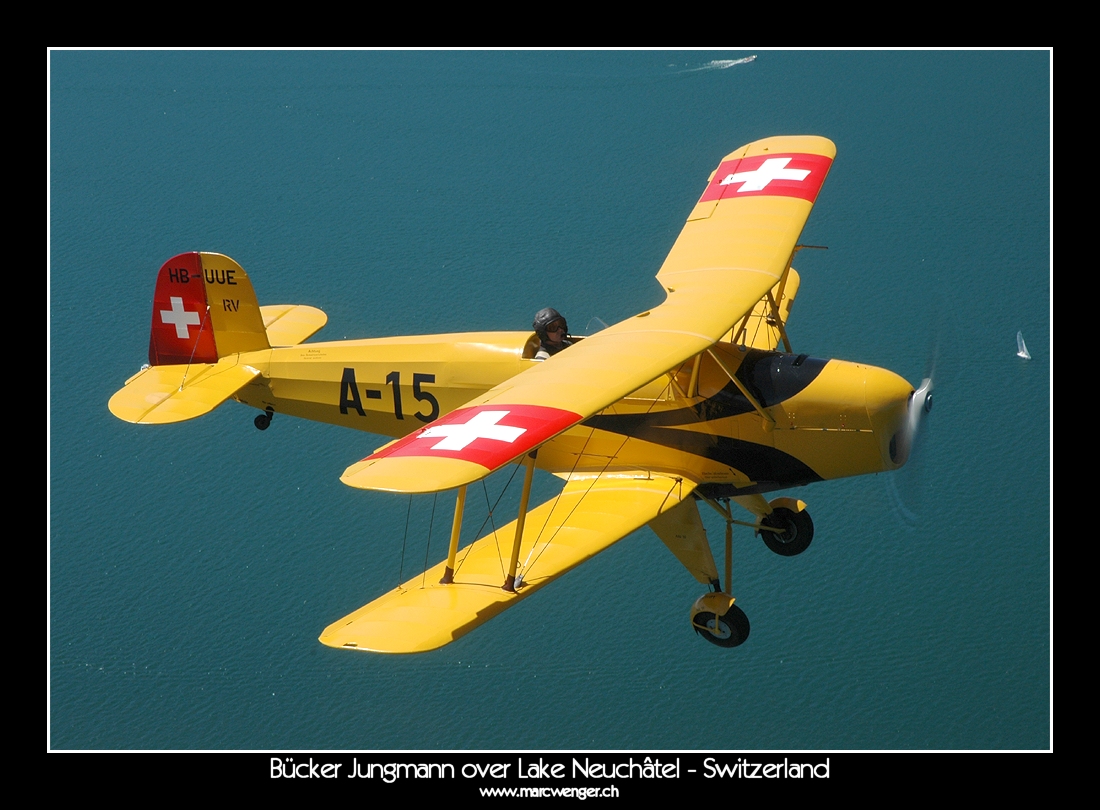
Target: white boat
{"points": [[1021, 347]]}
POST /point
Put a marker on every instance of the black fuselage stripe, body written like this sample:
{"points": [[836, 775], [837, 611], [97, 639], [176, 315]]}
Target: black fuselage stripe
{"points": [[772, 377]]}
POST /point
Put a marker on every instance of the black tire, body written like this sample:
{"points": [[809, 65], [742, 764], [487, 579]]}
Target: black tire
{"points": [[733, 627], [262, 421], [797, 530]]}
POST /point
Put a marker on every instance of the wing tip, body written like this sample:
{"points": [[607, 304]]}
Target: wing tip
{"points": [[811, 144]]}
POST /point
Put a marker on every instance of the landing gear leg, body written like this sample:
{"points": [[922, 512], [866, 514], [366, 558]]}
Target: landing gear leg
{"points": [[714, 616]]}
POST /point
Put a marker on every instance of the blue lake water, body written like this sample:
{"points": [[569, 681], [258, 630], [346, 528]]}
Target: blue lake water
{"points": [[192, 566]]}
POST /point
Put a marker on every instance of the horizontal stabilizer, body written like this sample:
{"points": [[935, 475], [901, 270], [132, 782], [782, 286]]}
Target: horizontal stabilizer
{"points": [[159, 395], [590, 515], [290, 324]]}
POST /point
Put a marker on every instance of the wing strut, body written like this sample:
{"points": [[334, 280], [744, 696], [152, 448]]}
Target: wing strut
{"points": [[456, 529], [693, 384], [741, 387], [775, 299], [778, 320], [529, 473], [780, 289]]}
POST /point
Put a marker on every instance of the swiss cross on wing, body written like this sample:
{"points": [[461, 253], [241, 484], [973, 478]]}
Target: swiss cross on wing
{"points": [[792, 174], [489, 435]]}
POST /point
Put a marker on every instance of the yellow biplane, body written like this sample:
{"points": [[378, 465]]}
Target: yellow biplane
{"points": [[700, 399]]}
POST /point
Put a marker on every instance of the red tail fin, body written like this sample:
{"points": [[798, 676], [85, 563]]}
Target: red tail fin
{"points": [[204, 308]]}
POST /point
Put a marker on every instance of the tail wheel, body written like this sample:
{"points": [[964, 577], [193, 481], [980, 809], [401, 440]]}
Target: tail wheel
{"points": [[263, 421], [728, 630], [796, 530]]}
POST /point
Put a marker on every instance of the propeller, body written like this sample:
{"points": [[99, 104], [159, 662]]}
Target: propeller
{"points": [[920, 405], [904, 486]]}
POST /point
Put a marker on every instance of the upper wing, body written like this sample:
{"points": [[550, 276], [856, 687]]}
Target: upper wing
{"points": [[734, 249], [588, 516]]}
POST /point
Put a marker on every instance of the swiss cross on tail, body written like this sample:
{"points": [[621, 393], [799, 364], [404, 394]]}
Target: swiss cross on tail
{"points": [[181, 330], [489, 435], [792, 174], [180, 317]]}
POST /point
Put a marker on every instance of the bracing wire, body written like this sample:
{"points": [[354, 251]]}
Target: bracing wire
{"points": [[489, 518], [195, 348], [401, 566], [431, 524], [528, 565], [557, 499]]}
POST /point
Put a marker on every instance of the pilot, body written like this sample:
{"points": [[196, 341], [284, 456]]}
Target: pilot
{"points": [[553, 333]]}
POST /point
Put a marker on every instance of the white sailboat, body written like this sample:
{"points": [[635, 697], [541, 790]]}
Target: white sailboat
{"points": [[1021, 347]]}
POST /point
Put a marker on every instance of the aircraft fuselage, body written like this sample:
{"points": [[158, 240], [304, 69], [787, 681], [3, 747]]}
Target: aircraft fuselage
{"points": [[807, 420]]}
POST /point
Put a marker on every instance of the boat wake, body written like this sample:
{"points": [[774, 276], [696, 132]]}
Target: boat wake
{"points": [[721, 64]]}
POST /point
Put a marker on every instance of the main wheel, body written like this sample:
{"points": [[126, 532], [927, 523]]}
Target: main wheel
{"points": [[728, 630], [796, 531]]}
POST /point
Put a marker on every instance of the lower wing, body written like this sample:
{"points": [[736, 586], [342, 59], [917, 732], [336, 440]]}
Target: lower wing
{"points": [[588, 516]]}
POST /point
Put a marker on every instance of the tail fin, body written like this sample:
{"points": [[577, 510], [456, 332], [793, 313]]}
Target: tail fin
{"points": [[204, 308], [204, 314]]}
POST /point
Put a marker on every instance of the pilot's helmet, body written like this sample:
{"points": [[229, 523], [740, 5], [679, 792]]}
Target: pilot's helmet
{"points": [[544, 318]]}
